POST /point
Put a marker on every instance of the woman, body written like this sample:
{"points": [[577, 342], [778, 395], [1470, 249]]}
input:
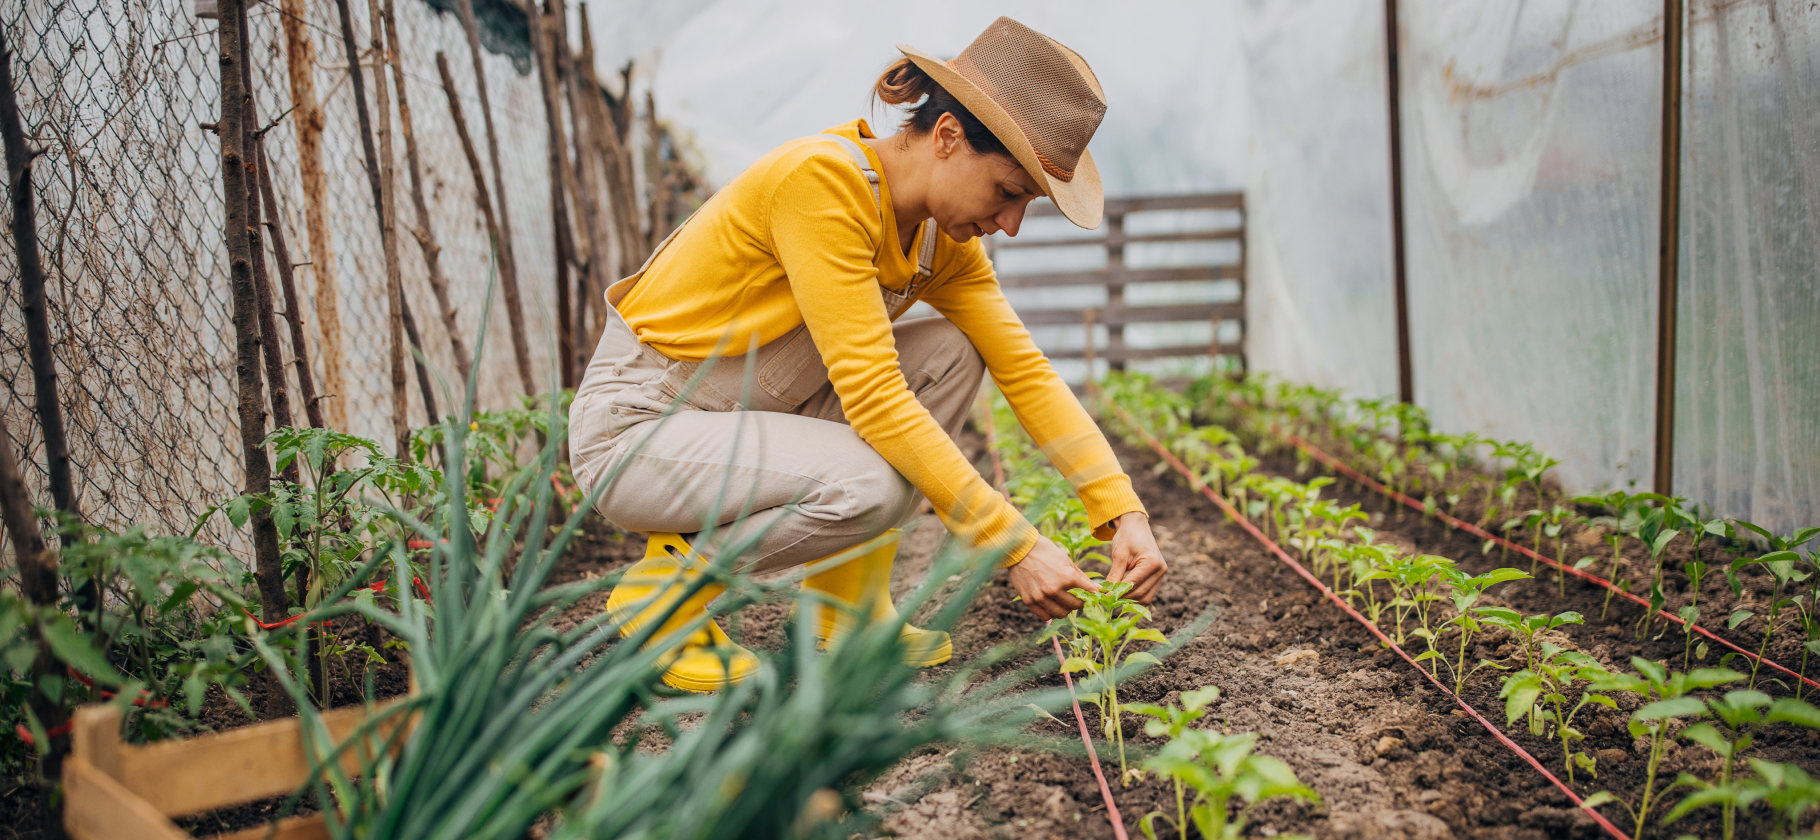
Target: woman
{"points": [[811, 419]]}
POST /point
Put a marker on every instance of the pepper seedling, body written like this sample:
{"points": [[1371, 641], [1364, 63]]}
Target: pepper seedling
{"points": [[1170, 722], [1739, 716], [1668, 695], [1527, 629], [1219, 769], [1540, 692], [1467, 589], [1784, 568], [1104, 626]]}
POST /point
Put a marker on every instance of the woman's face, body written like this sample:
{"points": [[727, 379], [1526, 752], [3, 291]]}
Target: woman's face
{"points": [[972, 194]]}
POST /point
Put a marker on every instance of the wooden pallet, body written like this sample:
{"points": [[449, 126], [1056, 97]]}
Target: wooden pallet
{"points": [[117, 790], [1116, 315]]}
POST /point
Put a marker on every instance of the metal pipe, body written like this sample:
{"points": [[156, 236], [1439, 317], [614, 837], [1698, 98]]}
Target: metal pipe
{"points": [[1406, 382], [1668, 247]]}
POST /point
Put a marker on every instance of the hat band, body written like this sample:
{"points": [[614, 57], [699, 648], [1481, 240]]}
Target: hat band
{"points": [[1051, 168]]}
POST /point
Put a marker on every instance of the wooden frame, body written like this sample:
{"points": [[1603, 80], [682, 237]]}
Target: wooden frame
{"points": [[113, 789], [1115, 315]]}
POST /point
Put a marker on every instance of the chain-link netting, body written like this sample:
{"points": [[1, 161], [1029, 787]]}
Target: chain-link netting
{"points": [[117, 93]]}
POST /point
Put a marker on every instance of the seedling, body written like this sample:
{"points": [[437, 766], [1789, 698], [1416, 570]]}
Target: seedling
{"points": [[1541, 692], [1170, 722], [1409, 579], [1530, 629], [1668, 692], [1786, 789], [1740, 715], [1219, 769], [1104, 626], [1466, 593], [1785, 568]]}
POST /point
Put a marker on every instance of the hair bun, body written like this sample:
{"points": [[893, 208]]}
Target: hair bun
{"points": [[903, 83]]}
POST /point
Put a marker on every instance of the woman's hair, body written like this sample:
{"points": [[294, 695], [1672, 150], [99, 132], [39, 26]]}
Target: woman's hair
{"points": [[904, 83]]}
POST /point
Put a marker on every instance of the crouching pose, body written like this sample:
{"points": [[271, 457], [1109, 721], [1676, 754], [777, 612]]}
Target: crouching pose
{"points": [[811, 419]]}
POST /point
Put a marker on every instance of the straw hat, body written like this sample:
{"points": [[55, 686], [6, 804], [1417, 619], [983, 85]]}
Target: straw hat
{"points": [[1038, 97]]}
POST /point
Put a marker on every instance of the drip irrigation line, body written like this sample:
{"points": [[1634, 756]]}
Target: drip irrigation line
{"points": [[1340, 466], [1112, 808], [1299, 569]]}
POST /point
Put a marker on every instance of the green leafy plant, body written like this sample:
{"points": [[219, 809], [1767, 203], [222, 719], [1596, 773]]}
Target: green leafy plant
{"points": [[1221, 769], [1104, 627], [1787, 790], [1527, 630], [1541, 691], [1666, 696], [1738, 717], [1466, 591], [1785, 569], [1170, 722]]}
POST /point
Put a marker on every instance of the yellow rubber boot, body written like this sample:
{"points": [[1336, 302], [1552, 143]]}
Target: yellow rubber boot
{"points": [[705, 660], [864, 584]]}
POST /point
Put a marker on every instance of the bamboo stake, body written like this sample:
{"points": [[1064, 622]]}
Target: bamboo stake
{"points": [[543, 52], [268, 571], [262, 282], [388, 231], [657, 174], [424, 233], [508, 261], [617, 164], [481, 196], [32, 305], [307, 123], [588, 179], [287, 279], [38, 582]]}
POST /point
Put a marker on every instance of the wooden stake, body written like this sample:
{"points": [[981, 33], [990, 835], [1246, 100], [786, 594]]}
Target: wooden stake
{"points": [[590, 185], [270, 351], [38, 583], [657, 174], [307, 123], [287, 280], [562, 180], [481, 196], [425, 234], [388, 232], [616, 161], [268, 570], [508, 262]]}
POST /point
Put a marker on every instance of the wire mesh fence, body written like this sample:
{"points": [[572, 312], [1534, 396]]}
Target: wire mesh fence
{"points": [[120, 98]]}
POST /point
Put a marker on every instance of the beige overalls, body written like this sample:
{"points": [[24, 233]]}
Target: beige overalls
{"points": [[764, 461]]}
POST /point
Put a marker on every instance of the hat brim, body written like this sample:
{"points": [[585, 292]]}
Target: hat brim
{"points": [[1081, 200]]}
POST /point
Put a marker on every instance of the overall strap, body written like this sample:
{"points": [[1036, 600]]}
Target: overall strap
{"points": [[925, 259]]}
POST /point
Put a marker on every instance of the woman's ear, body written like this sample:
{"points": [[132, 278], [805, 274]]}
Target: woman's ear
{"points": [[948, 137]]}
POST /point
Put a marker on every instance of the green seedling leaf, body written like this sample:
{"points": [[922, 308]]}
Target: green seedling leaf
{"points": [[1798, 712], [1603, 797], [1671, 708]]}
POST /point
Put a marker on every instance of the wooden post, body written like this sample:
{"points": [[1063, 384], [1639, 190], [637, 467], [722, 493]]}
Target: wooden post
{"points": [[38, 583], [508, 262], [1406, 381], [657, 174], [267, 570], [33, 306], [616, 161], [388, 231], [307, 122], [1115, 291], [1087, 320], [481, 195], [1668, 248], [293, 308], [424, 233], [270, 351], [591, 285], [562, 181]]}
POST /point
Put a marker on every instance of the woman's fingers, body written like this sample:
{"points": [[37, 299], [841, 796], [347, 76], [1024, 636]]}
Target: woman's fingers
{"points": [[1136, 558], [1044, 577]]}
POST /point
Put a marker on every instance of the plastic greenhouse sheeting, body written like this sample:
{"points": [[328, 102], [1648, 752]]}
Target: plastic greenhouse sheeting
{"points": [[1747, 436]]}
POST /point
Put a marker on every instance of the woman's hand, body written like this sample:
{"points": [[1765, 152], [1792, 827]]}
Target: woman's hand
{"points": [[1045, 575], [1136, 558]]}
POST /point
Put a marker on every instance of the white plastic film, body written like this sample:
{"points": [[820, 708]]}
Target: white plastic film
{"points": [[1532, 165], [1747, 432]]}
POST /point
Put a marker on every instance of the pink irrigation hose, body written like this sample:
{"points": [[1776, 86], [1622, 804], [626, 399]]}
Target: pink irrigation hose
{"points": [[1341, 603], [1340, 466], [1112, 808]]}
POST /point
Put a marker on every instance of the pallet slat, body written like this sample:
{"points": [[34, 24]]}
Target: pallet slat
{"points": [[1136, 314], [1132, 354], [98, 808], [1221, 235], [1127, 277]]}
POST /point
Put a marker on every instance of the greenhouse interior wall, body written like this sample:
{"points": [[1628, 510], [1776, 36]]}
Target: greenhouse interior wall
{"points": [[1531, 160], [1532, 166]]}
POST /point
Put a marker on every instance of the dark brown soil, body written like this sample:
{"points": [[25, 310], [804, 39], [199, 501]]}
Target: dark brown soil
{"points": [[1390, 755]]}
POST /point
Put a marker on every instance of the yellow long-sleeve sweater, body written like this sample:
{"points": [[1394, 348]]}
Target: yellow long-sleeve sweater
{"points": [[798, 239]]}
